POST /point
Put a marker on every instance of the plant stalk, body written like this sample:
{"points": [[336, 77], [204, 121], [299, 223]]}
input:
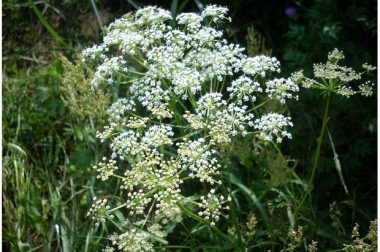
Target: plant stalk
{"points": [[316, 155], [320, 140]]}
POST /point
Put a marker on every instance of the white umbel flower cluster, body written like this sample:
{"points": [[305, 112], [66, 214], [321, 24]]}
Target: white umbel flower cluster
{"points": [[271, 126], [99, 211], [212, 205], [132, 240], [282, 89], [243, 89], [332, 77], [105, 169], [186, 93]]}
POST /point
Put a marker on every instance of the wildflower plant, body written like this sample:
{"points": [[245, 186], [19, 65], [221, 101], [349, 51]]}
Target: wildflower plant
{"points": [[332, 78], [186, 93]]}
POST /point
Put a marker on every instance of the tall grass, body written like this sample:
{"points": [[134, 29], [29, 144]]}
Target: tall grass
{"points": [[47, 179]]}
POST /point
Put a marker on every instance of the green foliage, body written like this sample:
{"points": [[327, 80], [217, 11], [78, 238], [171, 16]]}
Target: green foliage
{"points": [[47, 153], [326, 24], [77, 94]]}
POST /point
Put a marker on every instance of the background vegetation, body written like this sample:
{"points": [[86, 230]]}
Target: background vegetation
{"points": [[49, 148]]}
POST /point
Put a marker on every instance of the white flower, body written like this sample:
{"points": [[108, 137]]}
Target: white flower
{"points": [[161, 113], [335, 56], [127, 143], [156, 229], [212, 206], [260, 65], [216, 13], [331, 70], [345, 91], [99, 211], [105, 71], [132, 240], [118, 109], [191, 20], [149, 91], [210, 104], [105, 169], [135, 122], [282, 89], [187, 81], [108, 131], [368, 67], [174, 76], [93, 52], [152, 15], [366, 89], [272, 127], [334, 78], [229, 122], [196, 156], [194, 120], [243, 89], [152, 179], [158, 135]]}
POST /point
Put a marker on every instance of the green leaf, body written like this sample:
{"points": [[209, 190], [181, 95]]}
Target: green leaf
{"points": [[82, 158]]}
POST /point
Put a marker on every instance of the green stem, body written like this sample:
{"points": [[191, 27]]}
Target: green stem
{"points": [[118, 176], [192, 100], [173, 99], [176, 247], [200, 219], [258, 106], [137, 73], [138, 61], [150, 210], [279, 152], [320, 140], [222, 86], [189, 200], [316, 155]]}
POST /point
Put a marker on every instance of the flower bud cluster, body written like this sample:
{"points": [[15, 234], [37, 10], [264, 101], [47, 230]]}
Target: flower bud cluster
{"points": [[99, 211], [105, 169], [211, 206], [132, 240]]}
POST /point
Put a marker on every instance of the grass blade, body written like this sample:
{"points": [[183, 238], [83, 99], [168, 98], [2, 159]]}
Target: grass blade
{"points": [[199, 5], [251, 195], [46, 24], [135, 4], [97, 14], [182, 6], [337, 164], [174, 8]]}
